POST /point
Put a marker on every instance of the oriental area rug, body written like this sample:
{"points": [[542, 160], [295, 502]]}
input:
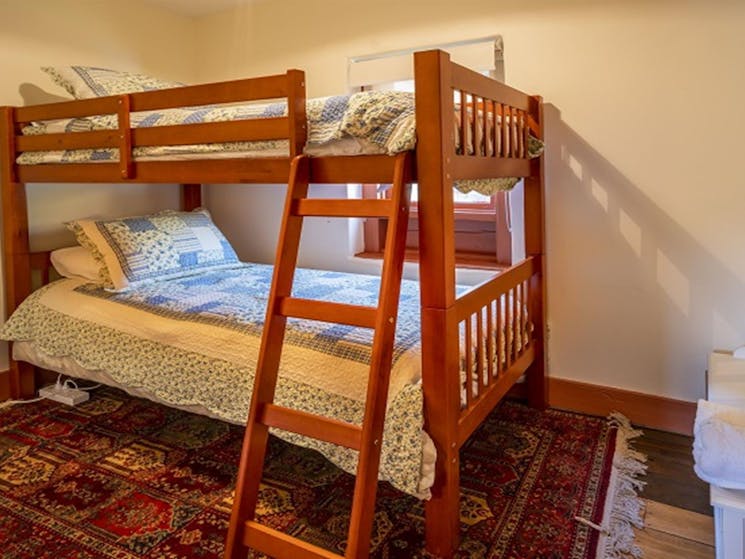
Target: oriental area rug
{"points": [[122, 478]]}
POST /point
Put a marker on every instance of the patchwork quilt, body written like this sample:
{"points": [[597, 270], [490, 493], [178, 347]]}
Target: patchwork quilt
{"points": [[368, 122], [195, 341]]}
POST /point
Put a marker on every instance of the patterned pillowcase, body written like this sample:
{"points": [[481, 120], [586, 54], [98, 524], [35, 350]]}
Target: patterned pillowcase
{"points": [[85, 82], [134, 251]]}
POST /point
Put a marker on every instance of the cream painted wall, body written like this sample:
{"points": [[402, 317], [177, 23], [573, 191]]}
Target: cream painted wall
{"points": [[123, 35], [646, 258]]}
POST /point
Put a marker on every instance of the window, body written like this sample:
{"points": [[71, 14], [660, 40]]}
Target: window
{"points": [[482, 223]]}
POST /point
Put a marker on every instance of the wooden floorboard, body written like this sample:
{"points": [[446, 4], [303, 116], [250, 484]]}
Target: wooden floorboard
{"points": [[670, 476], [660, 545], [678, 522]]}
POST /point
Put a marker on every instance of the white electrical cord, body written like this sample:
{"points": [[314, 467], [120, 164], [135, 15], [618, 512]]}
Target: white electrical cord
{"points": [[8, 403], [67, 383]]}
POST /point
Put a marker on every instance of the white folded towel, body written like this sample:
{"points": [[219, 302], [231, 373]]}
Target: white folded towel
{"points": [[719, 444], [726, 379]]}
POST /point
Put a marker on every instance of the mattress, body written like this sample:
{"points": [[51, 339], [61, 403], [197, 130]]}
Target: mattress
{"points": [[365, 123], [194, 342]]}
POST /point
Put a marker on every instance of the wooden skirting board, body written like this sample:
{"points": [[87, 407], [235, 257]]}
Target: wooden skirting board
{"points": [[647, 410]]}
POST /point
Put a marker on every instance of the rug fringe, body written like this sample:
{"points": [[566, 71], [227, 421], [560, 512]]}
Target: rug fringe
{"points": [[626, 508]]}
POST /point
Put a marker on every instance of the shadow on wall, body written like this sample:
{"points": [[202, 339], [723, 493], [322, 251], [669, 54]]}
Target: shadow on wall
{"points": [[634, 300], [34, 95]]}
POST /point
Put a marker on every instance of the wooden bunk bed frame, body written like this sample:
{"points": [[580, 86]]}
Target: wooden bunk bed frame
{"points": [[447, 320]]}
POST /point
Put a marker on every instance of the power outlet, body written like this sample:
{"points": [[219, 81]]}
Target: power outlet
{"points": [[64, 395]]}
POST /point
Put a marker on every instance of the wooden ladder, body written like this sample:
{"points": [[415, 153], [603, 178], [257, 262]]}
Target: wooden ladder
{"points": [[244, 532]]}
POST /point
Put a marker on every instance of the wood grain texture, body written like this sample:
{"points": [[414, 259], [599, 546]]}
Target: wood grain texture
{"points": [[679, 522], [648, 410], [440, 363], [670, 477], [4, 385], [660, 545], [267, 368], [437, 165]]}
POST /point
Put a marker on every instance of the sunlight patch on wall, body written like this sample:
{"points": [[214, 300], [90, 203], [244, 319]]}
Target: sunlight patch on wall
{"points": [[675, 285], [630, 231], [599, 193], [575, 166]]}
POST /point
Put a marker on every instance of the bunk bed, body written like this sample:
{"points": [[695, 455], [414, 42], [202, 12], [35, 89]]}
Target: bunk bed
{"points": [[495, 330]]}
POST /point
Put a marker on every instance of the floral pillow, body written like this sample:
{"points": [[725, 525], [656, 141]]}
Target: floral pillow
{"points": [[85, 82], [134, 251]]}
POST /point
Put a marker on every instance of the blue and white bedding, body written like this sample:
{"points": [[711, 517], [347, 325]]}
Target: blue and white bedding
{"points": [[376, 122], [195, 341], [365, 123]]}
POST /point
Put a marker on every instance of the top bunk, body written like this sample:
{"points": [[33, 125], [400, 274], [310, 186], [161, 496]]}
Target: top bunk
{"points": [[477, 131]]}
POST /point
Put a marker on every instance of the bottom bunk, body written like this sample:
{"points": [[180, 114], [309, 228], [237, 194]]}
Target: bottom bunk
{"points": [[194, 341]]}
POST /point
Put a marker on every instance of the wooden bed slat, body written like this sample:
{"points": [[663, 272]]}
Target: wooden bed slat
{"points": [[492, 336], [323, 311], [473, 417], [496, 135], [473, 125], [468, 351], [312, 425], [69, 140], [483, 86], [251, 89], [485, 128], [475, 167], [175, 135], [271, 170], [68, 109], [480, 349], [324, 207], [355, 169], [211, 132], [502, 337], [471, 301], [463, 126], [224, 171]]}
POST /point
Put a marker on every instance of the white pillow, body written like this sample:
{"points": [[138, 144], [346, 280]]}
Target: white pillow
{"points": [[86, 82], [76, 263]]}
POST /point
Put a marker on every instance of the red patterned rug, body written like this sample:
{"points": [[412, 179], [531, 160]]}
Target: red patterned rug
{"points": [[120, 478]]}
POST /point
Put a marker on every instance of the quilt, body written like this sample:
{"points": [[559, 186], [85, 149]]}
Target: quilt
{"points": [[369, 122], [195, 341]]}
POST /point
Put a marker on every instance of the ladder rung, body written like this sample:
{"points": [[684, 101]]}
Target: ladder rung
{"points": [[313, 426], [278, 544], [324, 311], [324, 207]]}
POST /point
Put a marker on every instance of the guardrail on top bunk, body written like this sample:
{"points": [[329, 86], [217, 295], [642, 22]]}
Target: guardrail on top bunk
{"points": [[124, 138], [495, 121]]}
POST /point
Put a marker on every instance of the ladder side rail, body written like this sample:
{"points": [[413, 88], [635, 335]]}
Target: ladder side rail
{"points": [[255, 440], [363, 508]]}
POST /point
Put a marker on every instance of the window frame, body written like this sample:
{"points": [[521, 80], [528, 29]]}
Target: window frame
{"points": [[473, 227], [475, 222]]}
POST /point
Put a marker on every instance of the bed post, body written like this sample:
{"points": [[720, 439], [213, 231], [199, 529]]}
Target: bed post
{"points": [[537, 379], [16, 259], [191, 197], [296, 112], [440, 366]]}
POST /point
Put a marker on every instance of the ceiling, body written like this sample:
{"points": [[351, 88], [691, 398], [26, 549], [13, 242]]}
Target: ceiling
{"points": [[198, 7]]}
